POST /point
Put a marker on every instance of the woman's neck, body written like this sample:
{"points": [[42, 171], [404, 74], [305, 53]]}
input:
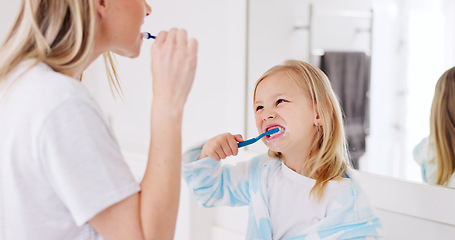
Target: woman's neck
{"points": [[97, 50]]}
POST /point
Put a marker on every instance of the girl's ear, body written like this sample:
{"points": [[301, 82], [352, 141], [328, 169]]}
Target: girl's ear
{"points": [[317, 119], [101, 7]]}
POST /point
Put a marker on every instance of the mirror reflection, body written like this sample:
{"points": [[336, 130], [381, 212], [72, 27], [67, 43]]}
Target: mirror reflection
{"points": [[405, 47], [435, 153]]}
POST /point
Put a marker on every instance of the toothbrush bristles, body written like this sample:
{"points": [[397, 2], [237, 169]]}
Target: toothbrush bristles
{"points": [[147, 35]]}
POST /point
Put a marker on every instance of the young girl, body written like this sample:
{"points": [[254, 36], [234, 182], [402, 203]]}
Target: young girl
{"points": [[436, 154], [303, 188], [62, 175]]}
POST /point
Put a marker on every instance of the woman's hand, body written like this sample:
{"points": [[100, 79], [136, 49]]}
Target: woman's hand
{"points": [[174, 59], [221, 146]]}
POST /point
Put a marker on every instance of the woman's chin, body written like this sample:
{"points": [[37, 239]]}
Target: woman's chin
{"points": [[133, 54], [129, 53]]}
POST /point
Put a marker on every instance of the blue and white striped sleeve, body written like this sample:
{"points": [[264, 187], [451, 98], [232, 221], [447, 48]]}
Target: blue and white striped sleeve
{"points": [[215, 184], [421, 156]]}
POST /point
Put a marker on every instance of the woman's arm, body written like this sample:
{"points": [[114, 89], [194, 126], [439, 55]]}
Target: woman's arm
{"points": [[173, 69], [152, 213]]}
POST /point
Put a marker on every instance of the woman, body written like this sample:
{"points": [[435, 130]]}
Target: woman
{"points": [[62, 173]]}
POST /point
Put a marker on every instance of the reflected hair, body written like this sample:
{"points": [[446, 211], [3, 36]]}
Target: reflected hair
{"points": [[59, 33], [442, 126], [328, 157]]}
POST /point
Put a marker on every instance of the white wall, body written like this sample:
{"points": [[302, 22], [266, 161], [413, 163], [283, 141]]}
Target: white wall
{"points": [[8, 13]]}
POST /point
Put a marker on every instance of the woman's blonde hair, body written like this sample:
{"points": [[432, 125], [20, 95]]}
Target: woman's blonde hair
{"points": [[442, 126], [328, 155], [59, 33]]}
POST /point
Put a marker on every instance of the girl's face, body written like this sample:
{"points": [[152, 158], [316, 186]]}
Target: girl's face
{"points": [[281, 103], [123, 20]]}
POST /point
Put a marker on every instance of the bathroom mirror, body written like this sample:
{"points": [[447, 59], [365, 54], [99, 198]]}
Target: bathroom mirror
{"points": [[409, 43]]}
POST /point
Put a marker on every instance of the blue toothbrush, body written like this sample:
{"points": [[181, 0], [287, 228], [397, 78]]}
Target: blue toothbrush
{"points": [[253, 140]]}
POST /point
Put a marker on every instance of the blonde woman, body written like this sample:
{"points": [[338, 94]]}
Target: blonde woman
{"points": [[436, 153], [62, 175], [303, 188]]}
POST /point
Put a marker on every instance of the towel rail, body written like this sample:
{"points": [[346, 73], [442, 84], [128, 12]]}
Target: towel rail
{"points": [[346, 13], [335, 13]]}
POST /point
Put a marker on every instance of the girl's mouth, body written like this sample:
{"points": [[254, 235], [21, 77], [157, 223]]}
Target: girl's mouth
{"points": [[278, 134]]}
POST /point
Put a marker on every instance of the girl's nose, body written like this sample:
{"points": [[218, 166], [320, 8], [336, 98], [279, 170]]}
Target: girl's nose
{"points": [[268, 115], [148, 9]]}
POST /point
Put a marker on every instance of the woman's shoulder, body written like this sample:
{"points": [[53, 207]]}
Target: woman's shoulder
{"points": [[46, 80], [47, 88], [36, 92]]}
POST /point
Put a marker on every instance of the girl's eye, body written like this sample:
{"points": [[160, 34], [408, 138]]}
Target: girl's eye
{"points": [[280, 101], [259, 108]]}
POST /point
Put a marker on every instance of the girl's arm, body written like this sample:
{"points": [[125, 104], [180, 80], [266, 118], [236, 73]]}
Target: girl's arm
{"points": [[214, 184], [221, 146], [152, 213]]}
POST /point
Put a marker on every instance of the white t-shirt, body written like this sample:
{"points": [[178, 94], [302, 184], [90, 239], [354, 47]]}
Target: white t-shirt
{"points": [[60, 164], [291, 208]]}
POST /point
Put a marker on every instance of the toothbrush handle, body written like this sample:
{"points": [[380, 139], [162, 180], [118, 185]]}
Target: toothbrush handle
{"points": [[246, 143], [253, 140]]}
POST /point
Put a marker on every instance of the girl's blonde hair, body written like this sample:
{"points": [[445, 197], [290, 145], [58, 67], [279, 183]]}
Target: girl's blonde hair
{"points": [[442, 126], [328, 155], [59, 33]]}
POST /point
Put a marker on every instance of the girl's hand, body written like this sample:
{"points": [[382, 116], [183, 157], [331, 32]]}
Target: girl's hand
{"points": [[174, 59], [221, 146]]}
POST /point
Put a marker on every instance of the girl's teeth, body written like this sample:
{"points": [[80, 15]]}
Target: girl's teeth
{"points": [[280, 129]]}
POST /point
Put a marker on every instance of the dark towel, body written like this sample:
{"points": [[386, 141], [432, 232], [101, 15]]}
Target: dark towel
{"points": [[349, 75]]}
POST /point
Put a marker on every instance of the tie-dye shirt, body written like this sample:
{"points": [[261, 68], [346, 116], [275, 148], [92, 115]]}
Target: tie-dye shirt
{"points": [[425, 155], [245, 184]]}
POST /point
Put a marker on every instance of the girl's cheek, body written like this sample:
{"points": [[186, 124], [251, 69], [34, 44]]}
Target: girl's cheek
{"points": [[258, 121]]}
